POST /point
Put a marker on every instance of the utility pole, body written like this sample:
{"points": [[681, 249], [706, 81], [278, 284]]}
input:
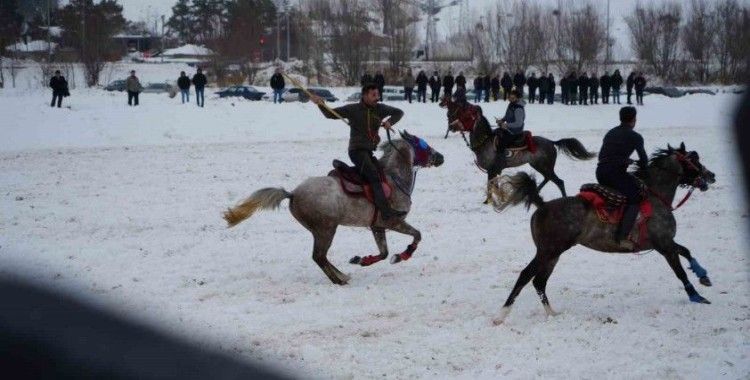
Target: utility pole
{"points": [[606, 60], [286, 11], [161, 39], [278, 37]]}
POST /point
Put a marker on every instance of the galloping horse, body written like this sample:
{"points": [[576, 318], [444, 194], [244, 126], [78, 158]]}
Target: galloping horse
{"points": [[560, 224], [321, 205], [482, 143]]}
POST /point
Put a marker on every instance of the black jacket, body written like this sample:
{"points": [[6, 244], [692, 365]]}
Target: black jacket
{"points": [[435, 82], [277, 82], [183, 82], [448, 81], [379, 80], [422, 81], [199, 81], [616, 80], [364, 122], [519, 80], [606, 82], [366, 79], [639, 83], [59, 85], [461, 81], [583, 83], [630, 81], [543, 84], [533, 83], [495, 84], [619, 143], [594, 84], [478, 83], [506, 82]]}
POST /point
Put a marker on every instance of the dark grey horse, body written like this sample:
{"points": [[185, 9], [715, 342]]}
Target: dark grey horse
{"points": [[560, 224], [482, 143], [320, 205]]}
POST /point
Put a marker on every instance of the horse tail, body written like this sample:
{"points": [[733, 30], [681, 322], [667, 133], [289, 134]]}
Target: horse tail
{"points": [[263, 199], [515, 189], [574, 149]]}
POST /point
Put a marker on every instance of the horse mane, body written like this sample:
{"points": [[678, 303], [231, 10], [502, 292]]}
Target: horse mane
{"points": [[402, 147], [656, 160]]}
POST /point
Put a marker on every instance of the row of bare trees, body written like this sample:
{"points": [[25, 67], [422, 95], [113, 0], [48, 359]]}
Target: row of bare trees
{"points": [[677, 41]]}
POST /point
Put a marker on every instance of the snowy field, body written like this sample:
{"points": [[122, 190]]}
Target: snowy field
{"points": [[122, 207]]}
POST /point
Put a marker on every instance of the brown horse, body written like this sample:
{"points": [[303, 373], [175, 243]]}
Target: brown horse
{"points": [[560, 224], [482, 143], [320, 205]]}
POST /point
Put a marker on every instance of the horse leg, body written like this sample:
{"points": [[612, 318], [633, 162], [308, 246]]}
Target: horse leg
{"points": [[322, 242], [673, 259], [526, 275], [541, 185], [699, 271], [547, 169], [540, 284], [406, 229], [379, 234]]}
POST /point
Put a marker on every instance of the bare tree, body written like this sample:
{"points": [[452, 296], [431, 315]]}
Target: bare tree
{"points": [[698, 38], [581, 38], [398, 19], [655, 36]]}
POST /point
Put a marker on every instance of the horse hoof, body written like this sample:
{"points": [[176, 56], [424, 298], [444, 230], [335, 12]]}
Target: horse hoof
{"points": [[705, 281], [395, 259], [355, 260], [699, 299], [498, 321]]}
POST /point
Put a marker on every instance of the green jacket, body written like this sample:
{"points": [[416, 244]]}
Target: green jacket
{"points": [[364, 122]]}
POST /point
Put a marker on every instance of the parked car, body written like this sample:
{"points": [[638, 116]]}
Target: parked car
{"points": [[158, 88], [672, 92], [117, 85], [247, 92]]}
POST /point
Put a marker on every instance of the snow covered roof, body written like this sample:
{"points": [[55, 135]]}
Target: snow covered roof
{"points": [[189, 49], [32, 46]]}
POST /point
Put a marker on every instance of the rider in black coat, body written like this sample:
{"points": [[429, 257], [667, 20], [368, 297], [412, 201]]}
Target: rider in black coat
{"points": [[614, 158]]}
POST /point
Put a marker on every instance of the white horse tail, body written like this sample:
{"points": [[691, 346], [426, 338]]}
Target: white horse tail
{"points": [[264, 199]]}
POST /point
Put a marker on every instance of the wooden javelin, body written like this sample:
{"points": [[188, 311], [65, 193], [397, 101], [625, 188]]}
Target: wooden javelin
{"points": [[301, 87]]}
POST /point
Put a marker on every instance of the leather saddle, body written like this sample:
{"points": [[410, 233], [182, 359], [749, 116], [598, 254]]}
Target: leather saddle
{"points": [[353, 184]]}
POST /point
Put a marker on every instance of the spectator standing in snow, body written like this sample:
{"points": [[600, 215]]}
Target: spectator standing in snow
{"points": [[594, 89], [448, 82], [277, 84], [199, 81], [533, 84], [408, 83], [495, 87], [133, 86], [59, 87], [551, 89], [183, 83], [640, 84], [435, 84], [380, 83], [478, 89], [616, 85], [461, 80], [606, 82], [629, 85], [507, 85], [422, 87]]}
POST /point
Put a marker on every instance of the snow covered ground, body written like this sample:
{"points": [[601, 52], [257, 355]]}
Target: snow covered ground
{"points": [[121, 206]]}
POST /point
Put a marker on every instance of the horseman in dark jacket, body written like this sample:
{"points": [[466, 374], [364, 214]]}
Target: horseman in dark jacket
{"points": [[365, 119], [507, 84], [614, 159], [510, 132], [59, 87]]}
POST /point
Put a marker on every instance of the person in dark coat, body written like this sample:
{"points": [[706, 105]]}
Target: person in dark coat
{"points": [[629, 85], [564, 90], [435, 84], [640, 84], [616, 86], [507, 84], [533, 84], [573, 87], [486, 86], [510, 132], [199, 82], [277, 84], [422, 87], [365, 79], [495, 87], [365, 120], [183, 83], [519, 80], [594, 88], [134, 88], [543, 88], [583, 89], [478, 89], [606, 82], [59, 87], [448, 83], [551, 89], [461, 80], [379, 81], [614, 158]]}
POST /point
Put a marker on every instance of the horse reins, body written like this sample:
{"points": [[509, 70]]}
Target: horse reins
{"points": [[681, 158]]}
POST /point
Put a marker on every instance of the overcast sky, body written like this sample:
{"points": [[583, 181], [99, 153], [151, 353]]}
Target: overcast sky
{"points": [[143, 10]]}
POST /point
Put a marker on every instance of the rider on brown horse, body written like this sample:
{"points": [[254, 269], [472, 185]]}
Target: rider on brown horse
{"points": [[365, 119], [510, 132], [467, 115], [614, 159]]}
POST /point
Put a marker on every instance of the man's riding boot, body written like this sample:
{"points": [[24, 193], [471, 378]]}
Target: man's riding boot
{"points": [[627, 222], [386, 212]]}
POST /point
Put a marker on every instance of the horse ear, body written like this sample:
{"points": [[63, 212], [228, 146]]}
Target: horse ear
{"points": [[682, 146], [669, 148], [403, 136]]}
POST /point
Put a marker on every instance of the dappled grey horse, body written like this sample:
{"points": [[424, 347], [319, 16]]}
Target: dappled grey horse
{"points": [[320, 204], [560, 224], [482, 143]]}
